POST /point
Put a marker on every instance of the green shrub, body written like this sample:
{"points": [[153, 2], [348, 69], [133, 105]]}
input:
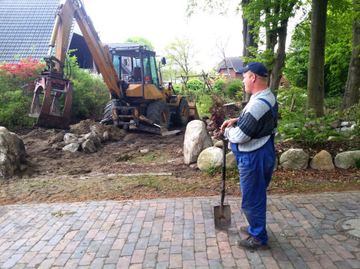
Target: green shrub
{"points": [[353, 114], [234, 88], [357, 163], [219, 86], [203, 104], [14, 104], [298, 123], [90, 92]]}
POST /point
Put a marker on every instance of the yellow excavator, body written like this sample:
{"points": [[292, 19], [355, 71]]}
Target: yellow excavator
{"points": [[131, 72]]}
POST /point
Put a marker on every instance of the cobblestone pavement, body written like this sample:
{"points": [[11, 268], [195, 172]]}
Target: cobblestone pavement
{"points": [[177, 233]]}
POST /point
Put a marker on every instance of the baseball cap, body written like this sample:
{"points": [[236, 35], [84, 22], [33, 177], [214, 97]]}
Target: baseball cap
{"points": [[255, 67]]}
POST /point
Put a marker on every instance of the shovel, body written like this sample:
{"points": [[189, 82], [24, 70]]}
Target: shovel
{"points": [[222, 213]]}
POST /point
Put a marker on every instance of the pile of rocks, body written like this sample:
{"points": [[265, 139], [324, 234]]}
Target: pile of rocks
{"points": [[207, 154], [91, 141]]}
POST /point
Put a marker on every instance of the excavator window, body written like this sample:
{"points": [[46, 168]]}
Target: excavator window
{"points": [[150, 73], [136, 74]]}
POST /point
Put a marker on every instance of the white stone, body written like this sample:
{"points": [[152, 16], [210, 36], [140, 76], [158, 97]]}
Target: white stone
{"points": [[196, 139], [347, 159], [211, 157], [294, 159]]}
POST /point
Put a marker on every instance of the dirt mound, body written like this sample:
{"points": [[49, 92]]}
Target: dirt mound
{"points": [[87, 126], [83, 127]]}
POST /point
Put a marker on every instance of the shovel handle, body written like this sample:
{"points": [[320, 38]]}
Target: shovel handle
{"points": [[223, 172]]}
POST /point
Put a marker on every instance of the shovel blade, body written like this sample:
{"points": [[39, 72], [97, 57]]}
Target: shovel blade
{"points": [[222, 216]]}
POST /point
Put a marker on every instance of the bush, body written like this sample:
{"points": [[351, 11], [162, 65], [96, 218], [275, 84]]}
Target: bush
{"points": [[297, 123], [14, 102], [89, 99], [353, 114], [204, 103], [90, 92], [219, 86], [234, 89]]}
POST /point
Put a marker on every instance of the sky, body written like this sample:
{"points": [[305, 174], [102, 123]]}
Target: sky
{"points": [[161, 21]]}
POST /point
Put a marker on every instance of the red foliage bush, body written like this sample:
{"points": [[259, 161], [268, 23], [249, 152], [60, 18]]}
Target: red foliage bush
{"points": [[26, 69]]}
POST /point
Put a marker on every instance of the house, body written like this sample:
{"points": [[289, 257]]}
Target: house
{"points": [[25, 31], [230, 66]]}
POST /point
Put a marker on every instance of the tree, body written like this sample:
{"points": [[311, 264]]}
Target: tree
{"points": [[337, 49], [180, 54], [250, 35], [297, 58], [315, 83], [273, 16], [351, 95], [141, 41]]}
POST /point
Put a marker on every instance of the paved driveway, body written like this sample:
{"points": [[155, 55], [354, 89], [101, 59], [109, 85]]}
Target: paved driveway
{"points": [[306, 231]]}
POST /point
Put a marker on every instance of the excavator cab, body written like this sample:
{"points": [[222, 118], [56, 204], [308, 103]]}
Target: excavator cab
{"points": [[135, 64]]}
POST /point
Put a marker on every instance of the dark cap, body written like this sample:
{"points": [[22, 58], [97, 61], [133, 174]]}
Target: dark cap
{"points": [[255, 67]]}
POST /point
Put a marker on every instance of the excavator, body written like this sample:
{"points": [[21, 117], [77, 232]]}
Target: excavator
{"points": [[138, 99]]}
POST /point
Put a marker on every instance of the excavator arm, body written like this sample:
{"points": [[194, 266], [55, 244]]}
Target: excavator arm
{"points": [[52, 87]]}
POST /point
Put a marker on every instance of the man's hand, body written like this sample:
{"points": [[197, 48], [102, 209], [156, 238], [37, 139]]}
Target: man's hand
{"points": [[227, 123]]}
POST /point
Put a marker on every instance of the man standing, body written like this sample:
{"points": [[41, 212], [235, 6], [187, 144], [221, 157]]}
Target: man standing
{"points": [[251, 138]]}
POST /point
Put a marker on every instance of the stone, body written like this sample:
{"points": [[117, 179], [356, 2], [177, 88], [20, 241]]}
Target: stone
{"points": [[196, 139], [219, 144], [211, 157], [294, 159], [89, 146], [12, 153], [106, 136], [70, 138], [322, 161], [72, 147], [230, 161], [347, 159]]}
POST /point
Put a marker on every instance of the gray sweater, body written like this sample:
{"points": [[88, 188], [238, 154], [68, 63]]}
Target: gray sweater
{"points": [[255, 124]]}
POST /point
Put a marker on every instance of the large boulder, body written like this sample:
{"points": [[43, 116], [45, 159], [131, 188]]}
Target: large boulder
{"points": [[196, 139], [322, 161], [294, 159], [230, 160], [347, 159], [211, 157], [12, 153]]}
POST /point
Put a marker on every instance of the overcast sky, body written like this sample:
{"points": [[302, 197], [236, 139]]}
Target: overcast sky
{"points": [[161, 21]]}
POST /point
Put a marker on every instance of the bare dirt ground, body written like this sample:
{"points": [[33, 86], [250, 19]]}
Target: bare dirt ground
{"points": [[139, 166]]}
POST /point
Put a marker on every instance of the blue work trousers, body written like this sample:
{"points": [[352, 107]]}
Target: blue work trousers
{"points": [[255, 168]]}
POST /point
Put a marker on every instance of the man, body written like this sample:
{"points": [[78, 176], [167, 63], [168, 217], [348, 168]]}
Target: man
{"points": [[251, 138]]}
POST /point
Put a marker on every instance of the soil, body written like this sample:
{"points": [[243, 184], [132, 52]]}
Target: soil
{"points": [[139, 166]]}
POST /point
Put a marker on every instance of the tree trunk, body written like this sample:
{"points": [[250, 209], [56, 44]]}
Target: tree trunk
{"points": [[352, 88], [315, 83], [249, 40], [279, 61], [249, 37]]}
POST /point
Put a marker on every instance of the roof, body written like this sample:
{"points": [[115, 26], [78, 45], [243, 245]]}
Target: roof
{"points": [[231, 62], [25, 28]]}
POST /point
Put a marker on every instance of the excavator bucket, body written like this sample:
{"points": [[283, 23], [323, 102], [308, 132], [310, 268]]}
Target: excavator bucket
{"points": [[51, 103]]}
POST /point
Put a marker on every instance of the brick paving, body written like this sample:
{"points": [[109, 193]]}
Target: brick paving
{"points": [[177, 233]]}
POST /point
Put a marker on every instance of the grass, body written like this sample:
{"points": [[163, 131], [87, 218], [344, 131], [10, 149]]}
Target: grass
{"points": [[151, 157]]}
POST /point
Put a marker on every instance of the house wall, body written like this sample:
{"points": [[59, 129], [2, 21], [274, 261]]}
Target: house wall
{"points": [[233, 74]]}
